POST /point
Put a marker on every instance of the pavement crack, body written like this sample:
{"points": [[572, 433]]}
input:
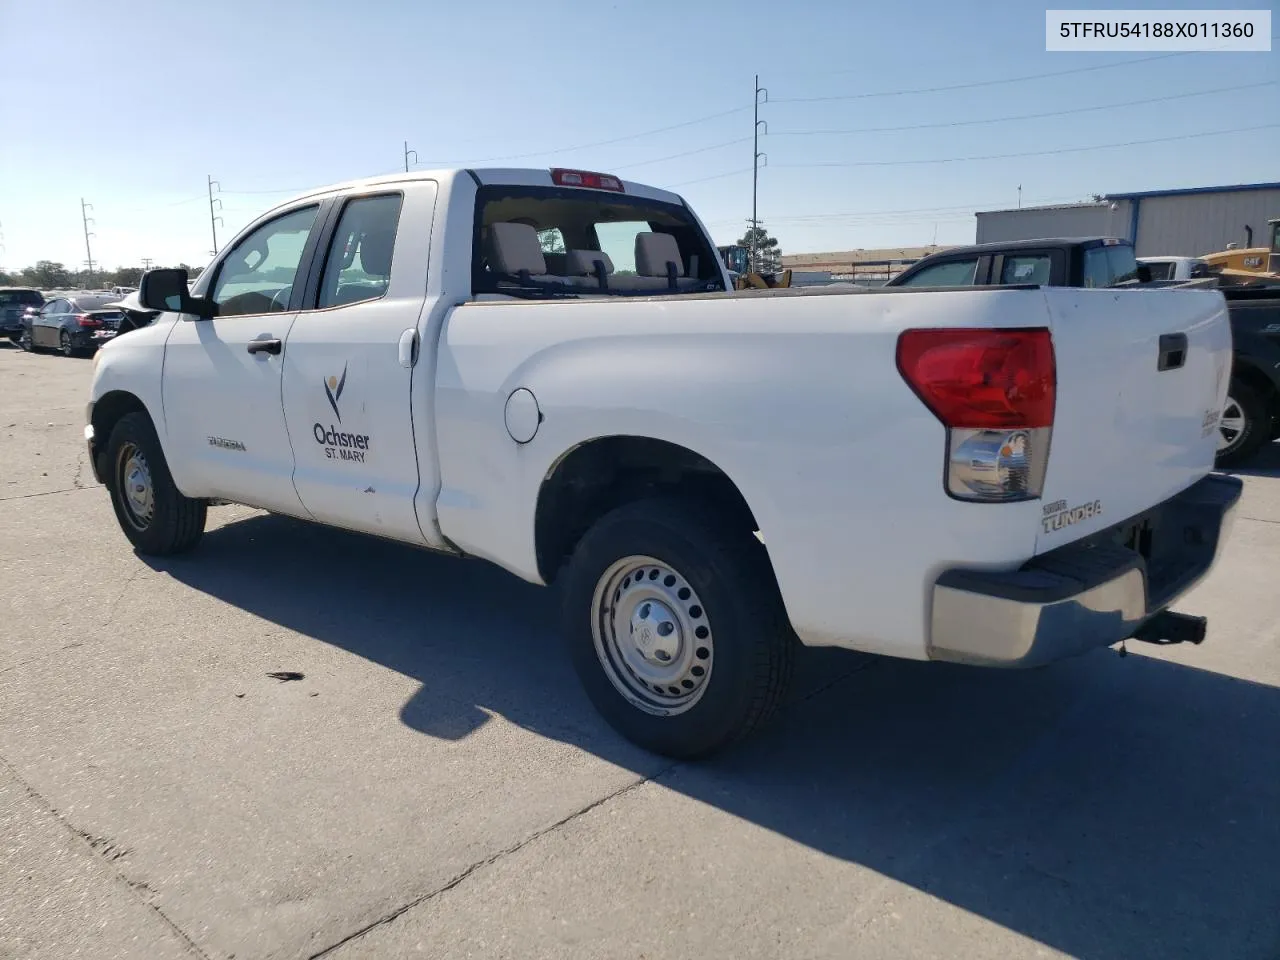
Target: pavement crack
{"points": [[491, 859], [109, 851], [43, 493]]}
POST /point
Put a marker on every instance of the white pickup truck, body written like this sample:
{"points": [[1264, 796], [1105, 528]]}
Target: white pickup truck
{"points": [[545, 369]]}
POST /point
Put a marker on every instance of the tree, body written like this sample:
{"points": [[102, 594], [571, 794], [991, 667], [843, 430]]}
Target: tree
{"points": [[7, 279], [768, 253], [125, 277], [47, 275]]}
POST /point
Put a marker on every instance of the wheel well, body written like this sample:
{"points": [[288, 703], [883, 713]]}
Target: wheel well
{"points": [[602, 474], [1260, 382], [107, 412]]}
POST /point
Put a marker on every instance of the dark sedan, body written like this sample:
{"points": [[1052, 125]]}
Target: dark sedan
{"points": [[72, 325], [14, 302]]}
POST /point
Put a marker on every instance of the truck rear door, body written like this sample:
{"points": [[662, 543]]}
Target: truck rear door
{"points": [[1141, 380], [349, 360]]}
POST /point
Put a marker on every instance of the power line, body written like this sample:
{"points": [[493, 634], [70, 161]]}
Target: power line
{"points": [[717, 176], [600, 143], [989, 83], [1027, 116], [1029, 153], [686, 153]]}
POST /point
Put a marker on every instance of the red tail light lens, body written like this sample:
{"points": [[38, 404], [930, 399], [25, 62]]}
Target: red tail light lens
{"points": [[982, 378], [585, 178], [84, 320]]}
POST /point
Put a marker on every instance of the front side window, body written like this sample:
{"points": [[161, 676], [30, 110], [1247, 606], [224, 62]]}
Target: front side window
{"points": [[358, 264], [954, 273], [258, 275]]}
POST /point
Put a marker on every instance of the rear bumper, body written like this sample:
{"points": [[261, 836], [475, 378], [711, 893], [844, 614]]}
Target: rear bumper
{"points": [[1088, 594]]}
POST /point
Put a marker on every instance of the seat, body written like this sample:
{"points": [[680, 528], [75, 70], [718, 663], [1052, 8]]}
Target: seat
{"points": [[513, 250], [376, 250], [659, 264]]}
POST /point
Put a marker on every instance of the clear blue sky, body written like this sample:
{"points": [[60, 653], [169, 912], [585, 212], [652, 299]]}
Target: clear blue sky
{"points": [[275, 96]]}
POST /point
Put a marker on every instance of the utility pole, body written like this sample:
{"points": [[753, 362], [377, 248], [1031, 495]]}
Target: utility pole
{"points": [[755, 166], [214, 219], [88, 252], [146, 264], [407, 151], [1019, 196]]}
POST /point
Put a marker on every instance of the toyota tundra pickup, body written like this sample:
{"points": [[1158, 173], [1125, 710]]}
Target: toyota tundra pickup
{"points": [[547, 369]]}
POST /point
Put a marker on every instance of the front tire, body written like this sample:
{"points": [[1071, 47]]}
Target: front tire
{"points": [[676, 627], [24, 341], [1245, 425], [152, 512]]}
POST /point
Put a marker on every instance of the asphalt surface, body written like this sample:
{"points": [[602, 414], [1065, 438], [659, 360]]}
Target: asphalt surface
{"points": [[436, 785]]}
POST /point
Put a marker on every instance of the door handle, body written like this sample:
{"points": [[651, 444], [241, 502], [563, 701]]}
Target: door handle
{"points": [[1173, 351], [265, 346], [408, 348]]}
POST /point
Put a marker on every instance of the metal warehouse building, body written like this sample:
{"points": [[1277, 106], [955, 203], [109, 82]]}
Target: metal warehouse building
{"points": [[1186, 223]]}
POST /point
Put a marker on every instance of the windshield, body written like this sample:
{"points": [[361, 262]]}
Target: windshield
{"points": [[547, 242]]}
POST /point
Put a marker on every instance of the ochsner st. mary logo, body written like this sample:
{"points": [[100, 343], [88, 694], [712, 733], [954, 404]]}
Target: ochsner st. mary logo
{"points": [[337, 444]]}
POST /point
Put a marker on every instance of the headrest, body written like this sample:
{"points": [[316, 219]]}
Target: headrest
{"points": [[654, 251], [582, 263], [514, 247], [376, 247]]}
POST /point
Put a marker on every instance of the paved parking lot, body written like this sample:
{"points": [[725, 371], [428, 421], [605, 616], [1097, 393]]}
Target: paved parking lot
{"points": [[437, 785]]}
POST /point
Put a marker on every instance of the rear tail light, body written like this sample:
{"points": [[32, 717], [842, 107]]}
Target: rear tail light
{"points": [[84, 320], [585, 178], [994, 391]]}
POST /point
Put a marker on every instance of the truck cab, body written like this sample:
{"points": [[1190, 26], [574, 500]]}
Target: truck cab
{"points": [[1060, 262]]}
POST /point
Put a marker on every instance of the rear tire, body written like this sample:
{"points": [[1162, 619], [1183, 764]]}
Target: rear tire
{"points": [[676, 627], [152, 512], [1246, 425], [65, 346]]}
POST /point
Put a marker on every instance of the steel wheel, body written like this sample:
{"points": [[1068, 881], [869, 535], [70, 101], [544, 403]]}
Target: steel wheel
{"points": [[64, 344], [1232, 425], [137, 491], [652, 636]]}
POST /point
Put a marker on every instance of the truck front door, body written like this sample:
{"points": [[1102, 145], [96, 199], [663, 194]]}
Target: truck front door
{"points": [[222, 410], [349, 363]]}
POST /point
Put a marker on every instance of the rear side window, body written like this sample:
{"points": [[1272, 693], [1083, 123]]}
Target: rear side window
{"points": [[1123, 264], [1029, 269], [954, 273], [1097, 269], [358, 264]]}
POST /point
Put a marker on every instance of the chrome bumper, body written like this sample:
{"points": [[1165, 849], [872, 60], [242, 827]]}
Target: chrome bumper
{"points": [[1088, 594]]}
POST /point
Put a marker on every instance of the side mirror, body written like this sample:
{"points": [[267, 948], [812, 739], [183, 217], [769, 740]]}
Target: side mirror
{"points": [[1144, 273], [166, 290]]}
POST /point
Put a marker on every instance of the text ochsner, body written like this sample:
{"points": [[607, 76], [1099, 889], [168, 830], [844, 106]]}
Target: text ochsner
{"points": [[341, 446]]}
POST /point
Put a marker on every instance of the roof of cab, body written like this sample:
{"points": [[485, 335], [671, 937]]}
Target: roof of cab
{"points": [[485, 176]]}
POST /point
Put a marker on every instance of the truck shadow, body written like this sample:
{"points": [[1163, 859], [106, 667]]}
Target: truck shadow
{"points": [[1105, 807], [1265, 464]]}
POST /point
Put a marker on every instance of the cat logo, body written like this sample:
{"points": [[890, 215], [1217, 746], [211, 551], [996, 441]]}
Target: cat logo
{"points": [[333, 390]]}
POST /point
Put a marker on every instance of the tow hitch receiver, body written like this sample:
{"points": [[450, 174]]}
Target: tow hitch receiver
{"points": [[1167, 628]]}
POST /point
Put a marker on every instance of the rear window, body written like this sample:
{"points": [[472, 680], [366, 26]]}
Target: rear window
{"points": [[1124, 266], [23, 298], [1161, 270], [93, 303], [540, 242]]}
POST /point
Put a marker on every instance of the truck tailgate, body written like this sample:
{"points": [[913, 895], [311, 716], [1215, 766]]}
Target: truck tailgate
{"points": [[1142, 378]]}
